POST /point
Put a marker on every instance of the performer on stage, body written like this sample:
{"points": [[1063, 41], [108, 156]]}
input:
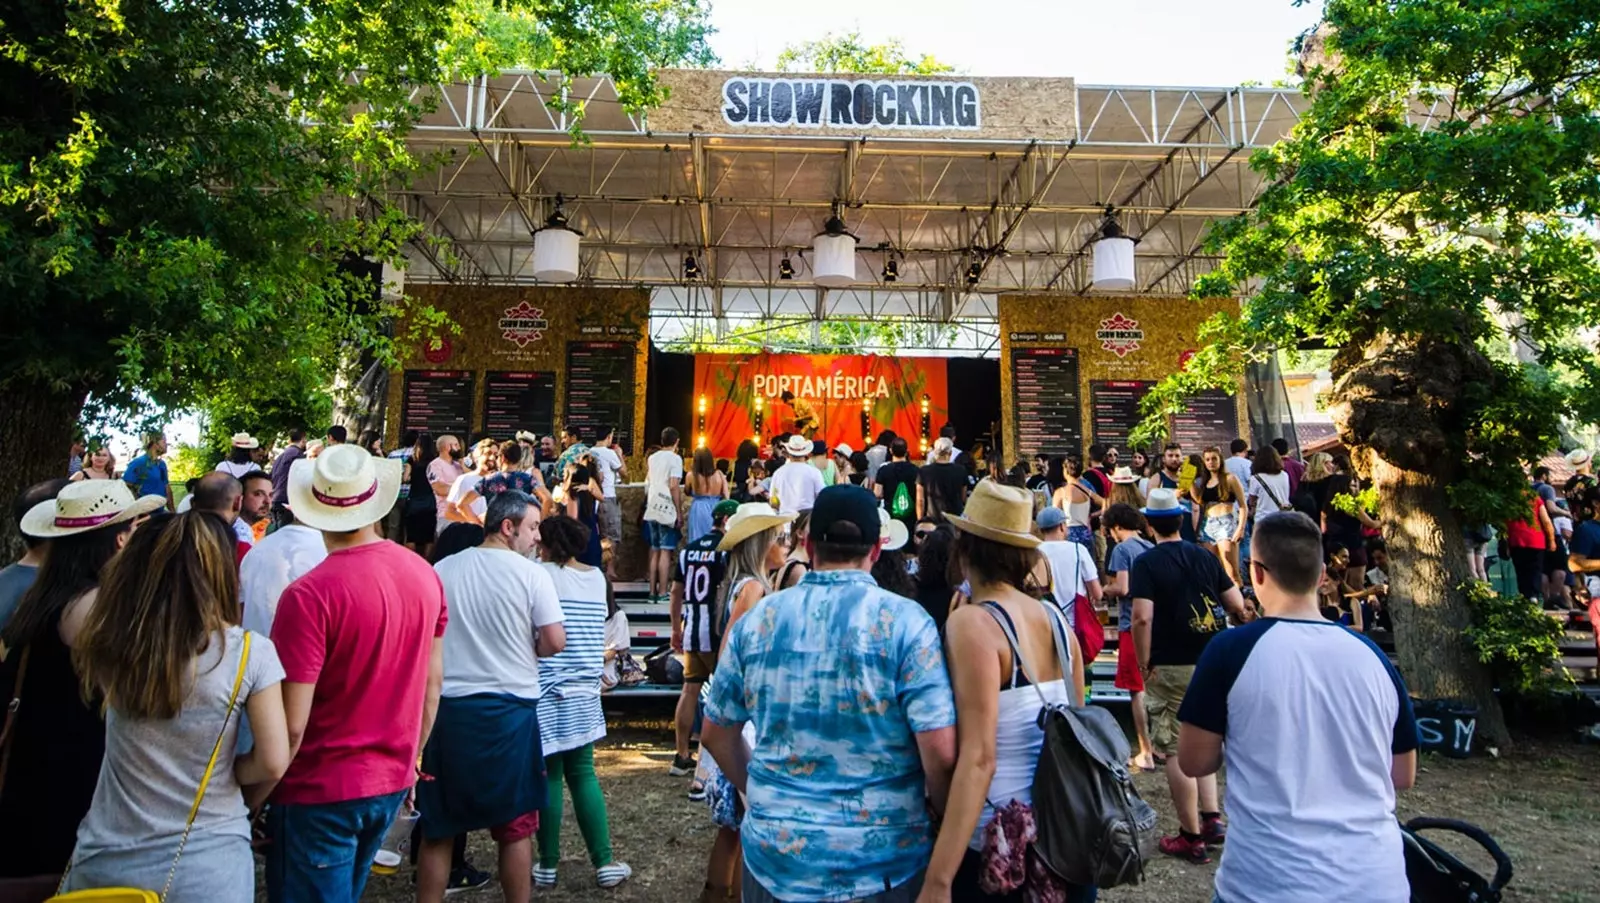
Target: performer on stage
{"points": [[805, 416]]}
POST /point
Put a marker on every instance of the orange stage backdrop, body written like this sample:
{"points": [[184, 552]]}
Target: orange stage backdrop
{"points": [[831, 392]]}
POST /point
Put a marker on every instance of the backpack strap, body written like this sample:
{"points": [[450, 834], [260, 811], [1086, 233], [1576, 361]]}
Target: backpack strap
{"points": [[1019, 661]]}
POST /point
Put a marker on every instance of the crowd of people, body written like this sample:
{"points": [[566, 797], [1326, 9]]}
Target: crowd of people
{"points": [[318, 649]]}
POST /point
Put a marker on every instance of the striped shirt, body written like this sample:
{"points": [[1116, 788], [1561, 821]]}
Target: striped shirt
{"points": [[700, 571], [569, 709]]}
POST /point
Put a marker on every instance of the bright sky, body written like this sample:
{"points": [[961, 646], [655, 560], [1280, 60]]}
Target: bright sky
{"points": [[1131, 42]]}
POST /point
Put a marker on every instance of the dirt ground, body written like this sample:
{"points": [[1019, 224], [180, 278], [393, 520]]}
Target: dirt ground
{"points": [[1538, 801]]}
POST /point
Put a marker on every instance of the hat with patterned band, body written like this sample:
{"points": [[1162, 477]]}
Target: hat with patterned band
{"points": [[87, 505], [345, 488]]}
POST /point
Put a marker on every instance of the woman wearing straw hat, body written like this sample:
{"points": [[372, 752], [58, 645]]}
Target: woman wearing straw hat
{"points": [[53, 745], [162, 642], [750, 539], [241, 456], [996, 647]]}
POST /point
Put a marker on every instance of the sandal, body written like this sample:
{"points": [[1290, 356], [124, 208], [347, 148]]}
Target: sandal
{"points": [[697, 792]]}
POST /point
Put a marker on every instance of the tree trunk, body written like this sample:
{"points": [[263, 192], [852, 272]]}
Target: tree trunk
{"points": [[1397, 403], [36, 426], [1428, 561]]}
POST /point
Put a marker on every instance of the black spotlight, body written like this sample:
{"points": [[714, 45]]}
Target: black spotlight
{"points": [[891, 270], [974, 273], [785, 269], [691, 267]]}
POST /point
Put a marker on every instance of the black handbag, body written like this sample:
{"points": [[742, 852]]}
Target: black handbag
{"points": [[1437, 876], [661, 666]]}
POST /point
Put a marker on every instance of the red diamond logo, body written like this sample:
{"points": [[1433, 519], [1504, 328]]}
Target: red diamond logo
{"points": [[1119, 335], [523, 325]]}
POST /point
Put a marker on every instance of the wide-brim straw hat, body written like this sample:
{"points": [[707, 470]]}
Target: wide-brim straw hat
{"points": [[750, 519], [245, 440], [1003, 514], [1578, 457], [344, 488], [892, 534], [87, 505], [799, 446]]}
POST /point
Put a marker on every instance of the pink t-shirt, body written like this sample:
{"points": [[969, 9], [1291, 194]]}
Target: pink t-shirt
{"points": [[360, 626]]}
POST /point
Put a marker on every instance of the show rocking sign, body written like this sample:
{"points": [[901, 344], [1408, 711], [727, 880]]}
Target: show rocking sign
{"points": [[842, 104]]}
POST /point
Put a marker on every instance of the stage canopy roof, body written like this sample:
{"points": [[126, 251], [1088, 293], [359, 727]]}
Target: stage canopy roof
{"points": [[1003, 179]]}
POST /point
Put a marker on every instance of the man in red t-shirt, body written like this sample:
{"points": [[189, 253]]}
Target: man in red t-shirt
{"points": [[360, 638]]}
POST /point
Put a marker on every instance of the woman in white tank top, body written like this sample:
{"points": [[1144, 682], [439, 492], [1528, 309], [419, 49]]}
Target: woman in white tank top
{"points": [[996, 708]]}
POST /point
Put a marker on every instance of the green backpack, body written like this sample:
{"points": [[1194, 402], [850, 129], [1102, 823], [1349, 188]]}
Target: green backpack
{"points": [[900, 505]]}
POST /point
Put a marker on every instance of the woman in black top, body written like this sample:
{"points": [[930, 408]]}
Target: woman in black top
{"points": [[57, 739], [421, 506], [748, 451]]}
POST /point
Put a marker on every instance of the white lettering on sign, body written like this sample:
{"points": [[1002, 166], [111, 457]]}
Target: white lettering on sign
{"points": [[836, 103], [836, 386]]}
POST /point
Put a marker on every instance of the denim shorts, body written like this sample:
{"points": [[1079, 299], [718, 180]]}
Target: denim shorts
{"points": [[661, 536]]}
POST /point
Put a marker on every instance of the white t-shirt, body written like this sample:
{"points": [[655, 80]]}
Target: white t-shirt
{"points": [[1071, 566], [796, 485], [279, 559], [663, 466], [610, 465], [1312, 715], [238, 470], [1258, 485], [468, 482], [498, 600]]}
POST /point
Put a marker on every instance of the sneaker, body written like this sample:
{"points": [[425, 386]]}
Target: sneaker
{"points": [[1191, 851], [1214, 832], [466, 878], [609, 876], [697, 792], [681, 766], [543, 877]]}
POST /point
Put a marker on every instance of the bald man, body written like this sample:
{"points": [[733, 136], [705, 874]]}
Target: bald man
{"points": [[223, 495]]}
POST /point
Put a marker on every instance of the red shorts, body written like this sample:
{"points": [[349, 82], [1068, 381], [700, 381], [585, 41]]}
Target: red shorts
{"points": [[520, 828], [1128, 676]]}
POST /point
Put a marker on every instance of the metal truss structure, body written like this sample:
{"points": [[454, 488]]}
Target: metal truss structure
{"points": [[964, 220]]}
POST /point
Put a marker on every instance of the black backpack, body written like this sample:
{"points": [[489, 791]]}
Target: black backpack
{"points": [[1094, 828]]}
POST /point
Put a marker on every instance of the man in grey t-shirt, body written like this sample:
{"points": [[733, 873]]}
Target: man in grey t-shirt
{"points": [[15, 579]]}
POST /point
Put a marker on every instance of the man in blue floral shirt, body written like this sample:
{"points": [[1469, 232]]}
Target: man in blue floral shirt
{"points": [[854, 724]]}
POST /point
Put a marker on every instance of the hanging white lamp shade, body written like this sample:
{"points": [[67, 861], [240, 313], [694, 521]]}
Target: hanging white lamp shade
{"points": [[833, 255], [394, 282], [555, 249], [1113, 258], [1113, 264]]}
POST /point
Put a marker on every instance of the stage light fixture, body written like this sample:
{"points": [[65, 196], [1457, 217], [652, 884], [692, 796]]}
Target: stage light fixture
{"points": [[835, 253], [974, 273], [785, 269], [691, 267], [555, 248], [891, 270], [1113, 269]]}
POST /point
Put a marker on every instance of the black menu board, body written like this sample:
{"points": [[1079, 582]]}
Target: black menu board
{"points": [[600, 390], [1211, 418], [438, 402], [1115, 408], [514, 401], [1049, 410]]}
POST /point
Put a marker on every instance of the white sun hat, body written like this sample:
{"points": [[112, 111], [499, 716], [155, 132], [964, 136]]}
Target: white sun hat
{"points": [[245, 440], [345, 488], [798, 445], [87, 505], [892, 533]]}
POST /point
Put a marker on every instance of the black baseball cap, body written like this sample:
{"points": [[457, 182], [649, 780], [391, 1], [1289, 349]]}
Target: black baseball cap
{"points": [[845, 514]]}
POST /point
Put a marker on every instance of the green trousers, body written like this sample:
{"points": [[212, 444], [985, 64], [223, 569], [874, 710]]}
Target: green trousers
{"points": [[575, 768]]}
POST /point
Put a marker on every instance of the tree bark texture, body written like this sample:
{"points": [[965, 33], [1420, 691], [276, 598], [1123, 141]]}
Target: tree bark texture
{"points": [[1397, 406], [36, 426]]}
